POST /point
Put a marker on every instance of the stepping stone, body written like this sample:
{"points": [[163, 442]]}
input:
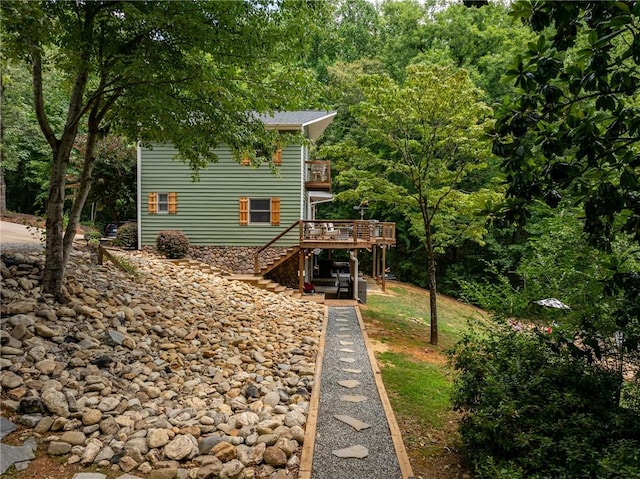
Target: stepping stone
{"points": [[354, 371], [342, 320], [346, 343], [357, 424], [346, 330], [344, 336], [348, 360], [349, 383], [357, 452], [6, 427], [346, 350], [347, 398], [10, 455]]}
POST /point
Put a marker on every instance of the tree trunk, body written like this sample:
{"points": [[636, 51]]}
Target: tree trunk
{"points": [[83, 191], [3, 185], [54, 251], [431, 270]]}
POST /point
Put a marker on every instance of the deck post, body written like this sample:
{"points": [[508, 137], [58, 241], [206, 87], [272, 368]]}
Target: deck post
{"points": [[301, 271], [374, 262], [384, 266]]}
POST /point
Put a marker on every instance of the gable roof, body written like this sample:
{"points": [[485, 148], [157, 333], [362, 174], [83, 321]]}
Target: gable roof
{"points": [[312, 122]]}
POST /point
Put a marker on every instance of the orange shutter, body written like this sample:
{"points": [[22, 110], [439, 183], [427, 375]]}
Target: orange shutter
{"points": [[277, 157], [275, 211], [244, 210], [173, 202], [152, 203]]}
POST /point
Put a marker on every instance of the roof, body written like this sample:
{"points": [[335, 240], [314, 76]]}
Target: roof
{"points": [[313, 122]]}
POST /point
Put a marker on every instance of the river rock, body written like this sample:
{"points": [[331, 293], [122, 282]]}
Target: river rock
{"points": [[162, 372], [56, 402], [274, 456], [183, 446]]}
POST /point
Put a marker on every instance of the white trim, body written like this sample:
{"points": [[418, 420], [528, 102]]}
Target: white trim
{"points": [[302, 172], [330, 115], [139, 198]]}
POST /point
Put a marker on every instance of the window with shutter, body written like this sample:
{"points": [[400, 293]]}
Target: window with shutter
{"points": [[152, 202], [275, 211], [244, 211], [172, 203], [277, 157]]}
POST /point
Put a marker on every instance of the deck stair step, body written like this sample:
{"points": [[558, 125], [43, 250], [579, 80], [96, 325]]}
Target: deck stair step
{"points": [[284, 256], [204, 267], [274, 287]]}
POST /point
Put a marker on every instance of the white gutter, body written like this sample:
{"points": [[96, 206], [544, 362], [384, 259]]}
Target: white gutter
{"points": [[302, 190], [355, 275], [139, 195]]}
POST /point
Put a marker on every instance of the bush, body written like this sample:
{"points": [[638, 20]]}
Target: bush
{"points": [[173, 244], [92, 237], [127, 235], [536, 406]]}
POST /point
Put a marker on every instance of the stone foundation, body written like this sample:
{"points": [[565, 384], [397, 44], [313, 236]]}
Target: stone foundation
{"points": [[286, 274], [234, 259]]}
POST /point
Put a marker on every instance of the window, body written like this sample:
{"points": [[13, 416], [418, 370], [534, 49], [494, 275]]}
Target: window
{"points": [[163, 203], [259, 211], [261, 156]]}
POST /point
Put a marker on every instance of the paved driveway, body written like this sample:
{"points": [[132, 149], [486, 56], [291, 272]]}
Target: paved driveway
{"points": [[17, 233]]}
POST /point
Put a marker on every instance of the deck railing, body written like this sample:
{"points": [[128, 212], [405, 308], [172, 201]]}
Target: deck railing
{"points": [[318, 175], [348, 231], [344, 234]]}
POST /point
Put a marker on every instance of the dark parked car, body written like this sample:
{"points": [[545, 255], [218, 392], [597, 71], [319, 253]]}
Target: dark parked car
{"points": [[111, 230]]}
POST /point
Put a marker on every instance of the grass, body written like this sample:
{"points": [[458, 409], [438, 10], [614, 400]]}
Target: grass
{"points": [[416, 383], [416, 374]]}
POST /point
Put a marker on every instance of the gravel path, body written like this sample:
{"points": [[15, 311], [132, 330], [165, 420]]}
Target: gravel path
{"points": [[344, 340]]}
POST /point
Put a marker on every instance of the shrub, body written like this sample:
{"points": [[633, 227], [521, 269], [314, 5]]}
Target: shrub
{"points": [[92, 237], [127, 235], [173, 244], [534, 405]]}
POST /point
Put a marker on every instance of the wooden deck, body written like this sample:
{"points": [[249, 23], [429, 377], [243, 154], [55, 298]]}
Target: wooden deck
{"points": [[346, 234]]}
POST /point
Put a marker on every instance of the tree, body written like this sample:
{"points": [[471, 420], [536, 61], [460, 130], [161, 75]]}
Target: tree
{"points": [[425, 138], [574, 132], [575, 127], [113, 192], [189, 73]]}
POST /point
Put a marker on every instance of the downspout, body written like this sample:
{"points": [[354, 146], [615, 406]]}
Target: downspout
{"points": [[139, 198], [355, 275]]}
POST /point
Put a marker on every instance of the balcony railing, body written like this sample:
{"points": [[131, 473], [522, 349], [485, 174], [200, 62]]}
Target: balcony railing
{"points": [[318, 175], [354, 232]]}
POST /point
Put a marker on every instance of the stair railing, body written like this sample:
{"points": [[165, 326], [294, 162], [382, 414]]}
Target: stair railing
{"points": [[256, 258]]}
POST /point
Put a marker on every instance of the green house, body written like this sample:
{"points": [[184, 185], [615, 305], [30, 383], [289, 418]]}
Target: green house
{"points": [[234, 205]]}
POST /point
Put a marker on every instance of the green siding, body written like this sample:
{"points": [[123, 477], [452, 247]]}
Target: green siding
{"points": [[208, 210]]}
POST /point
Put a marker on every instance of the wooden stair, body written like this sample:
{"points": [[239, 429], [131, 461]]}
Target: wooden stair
{"points": [[275, 287], [285, 256], [194, 264]]}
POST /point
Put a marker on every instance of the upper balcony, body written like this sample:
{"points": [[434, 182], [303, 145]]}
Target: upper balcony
{"points": [[318, 175]]}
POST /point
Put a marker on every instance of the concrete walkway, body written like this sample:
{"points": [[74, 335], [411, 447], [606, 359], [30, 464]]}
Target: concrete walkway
{"points": [[351, 430]]}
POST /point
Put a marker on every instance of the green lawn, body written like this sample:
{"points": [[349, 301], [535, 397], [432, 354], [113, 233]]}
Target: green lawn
{"points": [[417, 375]]}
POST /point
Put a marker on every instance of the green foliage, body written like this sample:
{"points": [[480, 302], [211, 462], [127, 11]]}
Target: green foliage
{"points": [[574, 128], [113, 189], [93, 237], [127, 235], [186, 73], [537, 406], [128, 266], [173, 244]]}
